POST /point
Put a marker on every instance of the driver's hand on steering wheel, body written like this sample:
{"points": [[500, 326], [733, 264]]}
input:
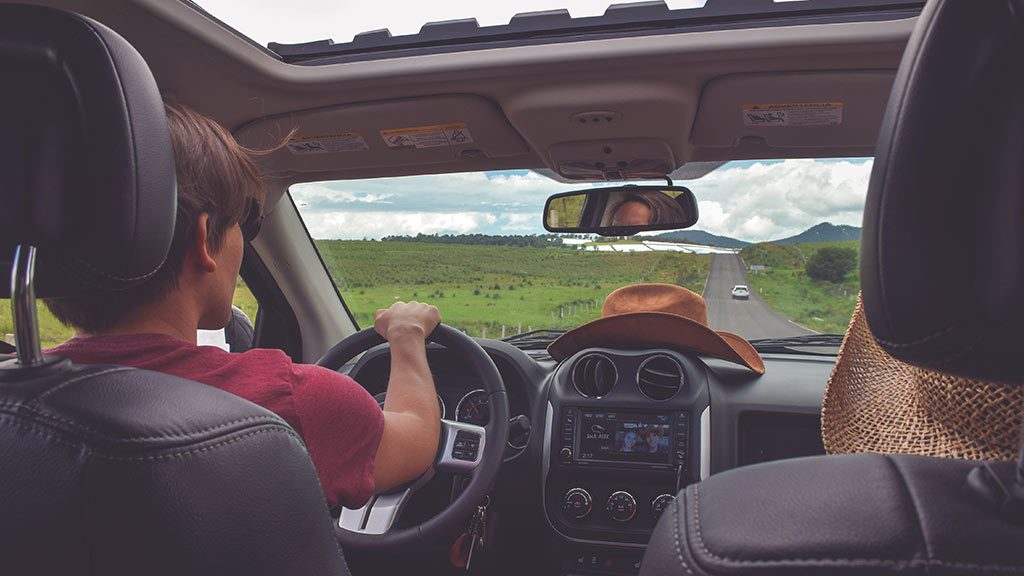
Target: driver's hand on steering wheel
{"points": [[411, 414], [401, 319]]}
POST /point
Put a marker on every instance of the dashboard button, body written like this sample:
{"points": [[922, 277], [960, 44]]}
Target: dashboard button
{"points": [[621, 506], [577, 503], [660, 504]]}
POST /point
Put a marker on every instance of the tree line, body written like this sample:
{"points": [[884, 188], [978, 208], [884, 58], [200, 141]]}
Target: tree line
{"points": [[523, 241]]}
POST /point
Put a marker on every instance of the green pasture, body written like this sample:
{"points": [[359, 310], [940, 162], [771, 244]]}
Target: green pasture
{"points": [[821, 306], [480, 288]]}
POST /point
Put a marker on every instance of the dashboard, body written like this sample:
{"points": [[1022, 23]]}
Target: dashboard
{"points": [[605, 439]]}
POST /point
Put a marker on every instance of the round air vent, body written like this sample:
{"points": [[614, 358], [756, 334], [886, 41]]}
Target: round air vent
{"points": [[660, 377], [594, 375]]}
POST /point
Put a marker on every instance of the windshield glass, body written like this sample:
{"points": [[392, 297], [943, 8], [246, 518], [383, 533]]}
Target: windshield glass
{"points": [[473, 244]]}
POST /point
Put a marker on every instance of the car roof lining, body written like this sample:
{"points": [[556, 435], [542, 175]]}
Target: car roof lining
{"points": [[681, 89]]}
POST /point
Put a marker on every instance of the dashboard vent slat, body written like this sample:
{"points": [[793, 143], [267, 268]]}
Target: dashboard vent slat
{"points": [[660, 377], [594, 375]]}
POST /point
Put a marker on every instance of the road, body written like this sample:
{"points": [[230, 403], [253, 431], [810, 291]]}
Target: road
{"points": [[752, 318]]}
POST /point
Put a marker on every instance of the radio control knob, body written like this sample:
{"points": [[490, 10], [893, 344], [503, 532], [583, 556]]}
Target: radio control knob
{"points": [[621, 506], [660, 504], [565, 455], [577, 503]]}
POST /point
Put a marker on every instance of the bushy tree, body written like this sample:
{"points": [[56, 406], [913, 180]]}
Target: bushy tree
{"points": [[832, 264]]}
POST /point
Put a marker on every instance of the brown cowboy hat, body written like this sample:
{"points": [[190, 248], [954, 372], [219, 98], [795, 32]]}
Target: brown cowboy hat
{"points": [[875, 403], [657, 315]]}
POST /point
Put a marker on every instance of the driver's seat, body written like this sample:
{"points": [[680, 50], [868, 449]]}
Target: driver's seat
{"points": [[106, 469]]}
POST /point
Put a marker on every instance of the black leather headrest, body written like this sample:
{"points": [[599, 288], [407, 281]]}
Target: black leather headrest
{"points": [[86, 164], [942, 266]]}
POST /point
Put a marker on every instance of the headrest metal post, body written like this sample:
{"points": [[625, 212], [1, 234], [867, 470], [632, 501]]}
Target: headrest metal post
{"points": [[23, 306]]}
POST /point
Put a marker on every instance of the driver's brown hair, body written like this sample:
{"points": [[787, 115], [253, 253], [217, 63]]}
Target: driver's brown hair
{"points": [[664, 208], [216, 176]]}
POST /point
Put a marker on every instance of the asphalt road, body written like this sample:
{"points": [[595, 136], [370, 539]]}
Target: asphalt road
{"points": [[751, 318]]}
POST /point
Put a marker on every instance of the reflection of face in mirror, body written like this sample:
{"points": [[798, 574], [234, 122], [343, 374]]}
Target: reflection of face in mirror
{"points": [[621, 210], [644, 207], [631, 213], [629, 441]]}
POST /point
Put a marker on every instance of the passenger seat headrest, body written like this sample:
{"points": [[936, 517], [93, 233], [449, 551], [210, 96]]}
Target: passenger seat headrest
{"points": [[942, 268], [86, 164]]}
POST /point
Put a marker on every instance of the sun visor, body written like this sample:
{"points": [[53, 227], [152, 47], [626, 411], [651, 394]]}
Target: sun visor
{"points": [[450, 131], [784, 115]]}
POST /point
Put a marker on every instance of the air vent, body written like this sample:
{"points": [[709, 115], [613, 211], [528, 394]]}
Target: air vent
{"points": [[594, 375], [660, 377]]}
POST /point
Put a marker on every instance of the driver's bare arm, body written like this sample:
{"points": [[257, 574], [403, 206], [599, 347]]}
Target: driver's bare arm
{"points": [[412, 419]]}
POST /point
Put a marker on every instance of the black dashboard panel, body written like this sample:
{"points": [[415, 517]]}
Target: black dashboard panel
{"points": [[597, 487], [733, 417], [767, 436], [792, 385]]}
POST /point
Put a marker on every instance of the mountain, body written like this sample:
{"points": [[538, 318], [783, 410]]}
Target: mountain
{"points": [[699, 237], [824, 232]]}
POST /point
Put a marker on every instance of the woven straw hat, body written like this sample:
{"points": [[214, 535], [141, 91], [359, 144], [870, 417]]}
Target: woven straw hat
{"points": [[657, 315], [875, 403]]}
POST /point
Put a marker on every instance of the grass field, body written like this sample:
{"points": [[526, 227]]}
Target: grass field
{"points": [[477, 288], [482, 288], [820, 306]]}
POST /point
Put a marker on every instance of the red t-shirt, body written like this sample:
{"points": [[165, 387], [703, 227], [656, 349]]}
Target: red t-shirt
{"points": [[338, 419]]}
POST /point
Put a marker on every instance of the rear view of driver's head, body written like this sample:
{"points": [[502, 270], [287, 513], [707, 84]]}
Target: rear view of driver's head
{"points": [[217, 182]]}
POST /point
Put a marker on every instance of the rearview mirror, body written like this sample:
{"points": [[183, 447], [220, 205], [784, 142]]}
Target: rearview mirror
{"points": [[621, 210]]}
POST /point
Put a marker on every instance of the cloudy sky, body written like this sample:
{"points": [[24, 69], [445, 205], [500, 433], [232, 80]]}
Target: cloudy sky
{"points": [[751, 201], [747, 200]]}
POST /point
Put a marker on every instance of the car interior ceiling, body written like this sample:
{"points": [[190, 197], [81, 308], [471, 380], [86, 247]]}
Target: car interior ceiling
{"points": [[525, 97], [745, 486]]}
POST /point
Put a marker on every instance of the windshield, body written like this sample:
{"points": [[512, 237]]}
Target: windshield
{"points": [[473, 244]]}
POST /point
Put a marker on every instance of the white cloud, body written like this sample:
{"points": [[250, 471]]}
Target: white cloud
{"points": [[317, 192], [520, 222], [355, 225], [772, 200]]}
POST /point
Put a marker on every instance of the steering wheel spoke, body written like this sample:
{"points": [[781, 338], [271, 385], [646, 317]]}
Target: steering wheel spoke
{"points": [[378, 515], [462, 447]]}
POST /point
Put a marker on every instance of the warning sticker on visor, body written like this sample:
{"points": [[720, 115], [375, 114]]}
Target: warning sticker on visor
{"points": [[328, 143], [427, 136], [805, 114]]}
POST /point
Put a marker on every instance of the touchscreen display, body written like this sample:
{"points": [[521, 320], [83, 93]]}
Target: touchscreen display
{"points": [[625, 437]]}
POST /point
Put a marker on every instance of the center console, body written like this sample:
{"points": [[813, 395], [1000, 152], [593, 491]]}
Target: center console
{"points": [[625, 431]]}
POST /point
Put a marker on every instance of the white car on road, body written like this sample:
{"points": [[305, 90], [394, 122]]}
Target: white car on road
{"points": [[740, 292]]}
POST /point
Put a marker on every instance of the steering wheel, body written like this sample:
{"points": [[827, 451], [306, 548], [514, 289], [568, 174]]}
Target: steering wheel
{"points": [[371, 527]]}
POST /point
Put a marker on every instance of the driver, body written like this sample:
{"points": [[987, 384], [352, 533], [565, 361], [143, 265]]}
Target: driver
{"points": [[357, 449], [645, 207]]}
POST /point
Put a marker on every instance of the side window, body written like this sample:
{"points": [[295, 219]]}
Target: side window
{"points": [[238, 334], [51, 331], [235, 337]]}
